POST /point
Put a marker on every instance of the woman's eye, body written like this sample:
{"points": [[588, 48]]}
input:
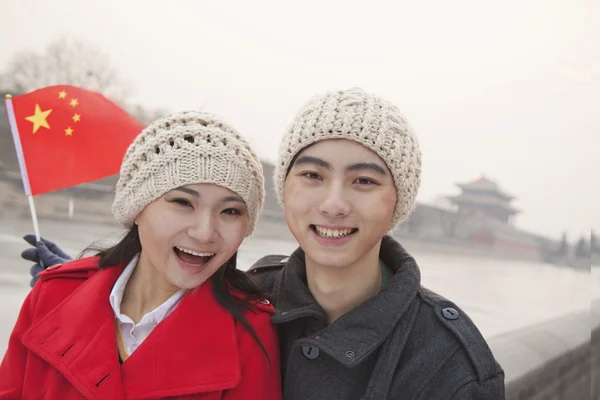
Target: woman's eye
{"points": [[311, 175], [232, 211], [183, 202]]}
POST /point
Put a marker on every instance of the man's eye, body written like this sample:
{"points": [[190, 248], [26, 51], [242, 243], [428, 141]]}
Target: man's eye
{"points": [[232, 211], [311, 175], [365, 181]]}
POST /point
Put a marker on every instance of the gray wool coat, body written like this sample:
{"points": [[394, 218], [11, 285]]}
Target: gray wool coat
{"points": [[405, 343]]}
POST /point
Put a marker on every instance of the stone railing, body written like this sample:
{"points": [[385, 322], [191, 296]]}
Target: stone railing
{"points": [[558, 359]]}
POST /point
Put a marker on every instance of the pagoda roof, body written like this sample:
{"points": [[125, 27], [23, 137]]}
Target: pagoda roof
{"points": [[483, 184], [479, 200]]}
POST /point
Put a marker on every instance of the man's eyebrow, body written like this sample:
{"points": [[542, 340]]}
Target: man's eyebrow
{"points": [[312, 160], [237, 199], [366, 166], [188, 191]]}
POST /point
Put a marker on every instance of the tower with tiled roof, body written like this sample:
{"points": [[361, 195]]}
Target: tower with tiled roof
{"points": [[484, 198]]}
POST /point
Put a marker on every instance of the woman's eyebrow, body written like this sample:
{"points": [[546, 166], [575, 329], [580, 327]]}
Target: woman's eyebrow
{"points": [[188, 191]]}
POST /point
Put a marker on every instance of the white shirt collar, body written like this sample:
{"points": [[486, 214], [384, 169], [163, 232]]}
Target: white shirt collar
{"points": [[156, 315]]}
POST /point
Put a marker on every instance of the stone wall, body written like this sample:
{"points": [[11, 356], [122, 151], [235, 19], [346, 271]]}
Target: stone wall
{"points": [[556, 360]]}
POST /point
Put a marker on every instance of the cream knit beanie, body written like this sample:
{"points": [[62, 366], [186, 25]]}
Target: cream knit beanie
{"points": [[182, 149], [366, 119]]}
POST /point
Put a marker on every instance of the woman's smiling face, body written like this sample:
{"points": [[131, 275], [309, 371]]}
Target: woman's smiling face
{"points": [[190, 232]]}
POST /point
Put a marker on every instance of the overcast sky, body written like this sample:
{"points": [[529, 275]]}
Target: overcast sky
{"points": [[503, 89]]}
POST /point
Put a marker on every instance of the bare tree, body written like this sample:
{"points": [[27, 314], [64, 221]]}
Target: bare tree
{"points": [[563, 247], [594, 245], [146, 115], [582, 249], [65, 62]]}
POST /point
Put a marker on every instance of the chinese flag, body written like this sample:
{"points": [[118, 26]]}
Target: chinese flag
{"points": [[65, 135]]}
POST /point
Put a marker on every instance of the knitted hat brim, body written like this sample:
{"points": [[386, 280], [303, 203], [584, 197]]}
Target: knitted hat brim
{"points": [[209, 169]]}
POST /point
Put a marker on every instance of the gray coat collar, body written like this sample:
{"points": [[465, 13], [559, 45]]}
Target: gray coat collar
{"points": [[356, 334]]}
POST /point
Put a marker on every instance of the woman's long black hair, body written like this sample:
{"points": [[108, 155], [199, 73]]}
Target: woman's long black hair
{"points": [[124, 251]]}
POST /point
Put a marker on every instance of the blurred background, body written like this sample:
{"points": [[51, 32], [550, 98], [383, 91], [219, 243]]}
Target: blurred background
{"points": [[503, 96]]}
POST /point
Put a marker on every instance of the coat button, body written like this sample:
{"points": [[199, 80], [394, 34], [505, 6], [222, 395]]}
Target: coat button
{"points": [[450, 313], [311, 352]]}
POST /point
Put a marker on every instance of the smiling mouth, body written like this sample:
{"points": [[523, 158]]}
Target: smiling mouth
{"points": [[327, 233], [191, 257]]}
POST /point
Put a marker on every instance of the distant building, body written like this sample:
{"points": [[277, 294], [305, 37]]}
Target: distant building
{"points": [[484, 198], [485, 216]]}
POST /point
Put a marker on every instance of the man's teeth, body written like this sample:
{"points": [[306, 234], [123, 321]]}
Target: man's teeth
{"points": [[194, 253], [332, 233]]}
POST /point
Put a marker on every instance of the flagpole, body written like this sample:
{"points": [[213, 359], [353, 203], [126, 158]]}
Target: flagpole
{"points": [[36, 228], [22, 166]]}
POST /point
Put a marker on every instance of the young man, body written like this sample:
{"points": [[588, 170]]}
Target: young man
{"points": [[354, 321]]}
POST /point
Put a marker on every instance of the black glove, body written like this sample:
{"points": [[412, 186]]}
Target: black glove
{"points": [[44, 250]]}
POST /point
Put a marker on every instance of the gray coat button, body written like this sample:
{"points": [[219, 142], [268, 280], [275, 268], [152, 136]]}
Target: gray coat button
{"points": [[311, 352], [450, 313]]}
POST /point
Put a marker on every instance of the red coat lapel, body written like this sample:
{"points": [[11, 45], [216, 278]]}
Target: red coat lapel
{"points": [[78, 338], [194, 350]]}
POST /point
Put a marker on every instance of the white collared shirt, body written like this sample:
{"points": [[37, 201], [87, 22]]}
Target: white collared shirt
{"points": [[135, 334]]}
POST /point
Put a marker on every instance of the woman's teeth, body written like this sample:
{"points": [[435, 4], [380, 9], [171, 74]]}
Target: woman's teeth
{"points": [[193, 258], [195, 253], [333, 233]]}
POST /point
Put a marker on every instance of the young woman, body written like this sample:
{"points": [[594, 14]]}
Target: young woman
{"points": [[163, 313]]}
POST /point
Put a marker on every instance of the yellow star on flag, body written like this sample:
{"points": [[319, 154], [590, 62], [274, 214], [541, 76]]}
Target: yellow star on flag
{"points": [[76, 118], [62, 94], [39, 118], [74, 102], [69, 131]]}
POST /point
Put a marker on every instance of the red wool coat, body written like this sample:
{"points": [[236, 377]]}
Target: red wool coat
{"points": [[64, 346]]}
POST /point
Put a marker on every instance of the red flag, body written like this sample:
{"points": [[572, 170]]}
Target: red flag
{"points": [[67, 135]]}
